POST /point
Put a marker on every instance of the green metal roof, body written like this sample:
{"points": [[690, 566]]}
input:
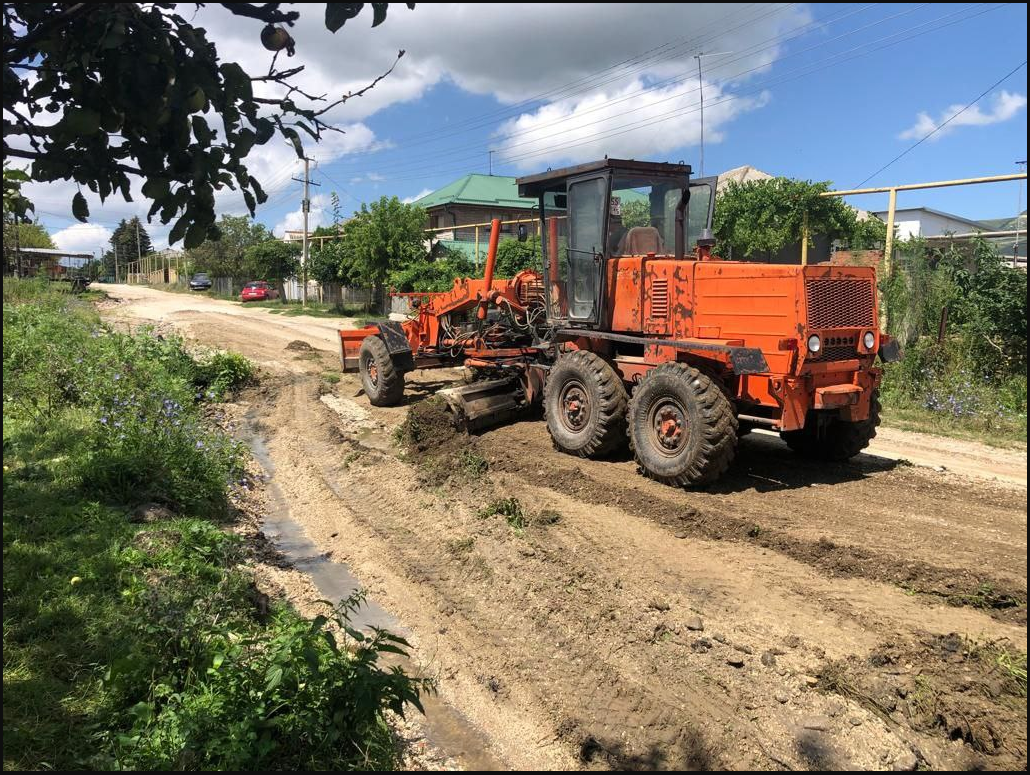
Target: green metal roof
{"points": [[490, 191], [476, 189]]}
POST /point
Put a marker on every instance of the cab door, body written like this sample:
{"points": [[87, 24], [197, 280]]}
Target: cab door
{"points": [[584, 253], [700, 209]]}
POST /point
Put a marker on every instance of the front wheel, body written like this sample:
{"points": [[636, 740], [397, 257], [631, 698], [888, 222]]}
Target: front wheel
{"points": [[585, 405], [836, 440], [382, 381], [682, 427]]}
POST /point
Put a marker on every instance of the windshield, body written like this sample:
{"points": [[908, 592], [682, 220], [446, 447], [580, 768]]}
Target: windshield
{"points": [[255, 285], [200, 276], [642, 215]]}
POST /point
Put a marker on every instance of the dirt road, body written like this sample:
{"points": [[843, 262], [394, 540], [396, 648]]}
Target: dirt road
{"points": [[795, 616]]}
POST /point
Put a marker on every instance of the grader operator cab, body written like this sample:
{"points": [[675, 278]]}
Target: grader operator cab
{"points": [[633, 331]]}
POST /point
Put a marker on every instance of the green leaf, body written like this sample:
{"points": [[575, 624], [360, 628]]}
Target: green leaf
{"points": [[294, 138], [195, 235], [155, 188], [273, 677], [337, 14], [201, 130], [178, 230], [80, 121], [379, 11], [79, 207]]}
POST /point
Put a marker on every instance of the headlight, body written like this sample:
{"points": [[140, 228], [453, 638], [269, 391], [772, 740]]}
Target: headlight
{"points": [[869, 340], [815, 344]]}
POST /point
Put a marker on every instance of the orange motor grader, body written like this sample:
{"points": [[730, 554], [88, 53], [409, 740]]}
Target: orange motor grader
{"points": [[634, 331]]}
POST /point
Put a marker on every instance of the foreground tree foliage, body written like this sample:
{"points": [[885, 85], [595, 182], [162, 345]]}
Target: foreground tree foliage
{"points": [[106, 94]]}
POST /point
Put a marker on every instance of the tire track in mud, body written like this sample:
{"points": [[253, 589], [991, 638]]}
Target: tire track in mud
{"points": [[668, 507], [631, 683]]}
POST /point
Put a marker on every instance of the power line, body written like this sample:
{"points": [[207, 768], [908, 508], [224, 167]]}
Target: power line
{"points": [[768, 43], [943, 124], [800, 72], [584, 83], [469, 154]]}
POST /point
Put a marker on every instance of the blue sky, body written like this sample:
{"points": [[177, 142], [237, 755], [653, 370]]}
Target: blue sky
{"points": [[793, 89]]}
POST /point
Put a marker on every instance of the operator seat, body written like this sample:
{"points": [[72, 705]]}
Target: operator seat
{"points": [[641, 240]]}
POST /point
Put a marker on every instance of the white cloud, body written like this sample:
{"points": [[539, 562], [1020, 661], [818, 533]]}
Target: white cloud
{"points": [[371, 177], [588, 128], [83, 238], [319, 215], [1005, 106], [510, 52], [424, 192]]}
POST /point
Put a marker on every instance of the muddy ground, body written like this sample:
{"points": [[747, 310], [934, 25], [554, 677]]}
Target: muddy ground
{"points": [[796, 616]]}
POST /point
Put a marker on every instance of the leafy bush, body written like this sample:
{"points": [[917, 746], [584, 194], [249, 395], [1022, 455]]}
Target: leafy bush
{"points": [[427, 275], [141, 641], [296, 695], [125, 404], [762, 217], [975, 374], [222, 373], [514, 256]]}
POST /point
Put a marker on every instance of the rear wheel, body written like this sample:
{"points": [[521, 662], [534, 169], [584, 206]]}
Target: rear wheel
{"points": [[682, 427], [837, 439], [382, 381], [585, 405]]}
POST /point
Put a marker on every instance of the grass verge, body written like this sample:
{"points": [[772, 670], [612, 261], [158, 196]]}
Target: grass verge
{"points": [[134, 636]]}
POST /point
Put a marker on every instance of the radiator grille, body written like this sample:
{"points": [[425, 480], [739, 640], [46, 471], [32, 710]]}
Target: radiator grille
{"points": [[839, 303], [835, 352], [660, 299]]}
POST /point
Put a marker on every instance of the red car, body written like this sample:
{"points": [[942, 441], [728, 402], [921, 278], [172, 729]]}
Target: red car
{"points": [[258, 291]]}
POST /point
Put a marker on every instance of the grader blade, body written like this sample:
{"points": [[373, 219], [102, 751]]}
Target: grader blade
{"points": [[482, 404]]}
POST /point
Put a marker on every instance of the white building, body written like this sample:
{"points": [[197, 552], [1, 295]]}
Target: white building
{"points": [[926, 222]]}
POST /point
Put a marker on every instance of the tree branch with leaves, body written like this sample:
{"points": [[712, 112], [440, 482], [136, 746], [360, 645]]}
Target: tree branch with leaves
{"points": [[105, 93]]}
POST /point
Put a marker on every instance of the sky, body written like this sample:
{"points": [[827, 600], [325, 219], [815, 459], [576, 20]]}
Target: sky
{"points": [[814, 91]]}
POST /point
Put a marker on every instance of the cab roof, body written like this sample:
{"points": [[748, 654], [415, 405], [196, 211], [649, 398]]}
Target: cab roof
{"points": [[534, 185]]}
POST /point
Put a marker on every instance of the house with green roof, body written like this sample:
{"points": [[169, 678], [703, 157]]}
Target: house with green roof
{"points": [[472, 199]]}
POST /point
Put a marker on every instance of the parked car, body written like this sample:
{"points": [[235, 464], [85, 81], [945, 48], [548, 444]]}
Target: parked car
{"points": [[258, 291], [200, 282]]}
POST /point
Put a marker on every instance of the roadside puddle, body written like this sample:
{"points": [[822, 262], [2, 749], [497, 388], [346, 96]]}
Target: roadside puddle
{"points": [[446, 729]]}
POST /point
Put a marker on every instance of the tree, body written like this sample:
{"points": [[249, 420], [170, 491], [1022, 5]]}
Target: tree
{"points": [[384, 236], [514, 256], [124, 245], [765, 216], [28, 235], [272, 260], [437, 274], [637, 213], [104, 93], [225, 256]]}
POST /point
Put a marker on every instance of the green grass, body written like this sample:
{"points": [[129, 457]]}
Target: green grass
{"points": [[999, 432], [132, 644]]}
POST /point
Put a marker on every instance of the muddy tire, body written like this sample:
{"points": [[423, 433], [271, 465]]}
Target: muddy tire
{"points": [[837, 440], [585, 405], [682, 427], [382, 381]]}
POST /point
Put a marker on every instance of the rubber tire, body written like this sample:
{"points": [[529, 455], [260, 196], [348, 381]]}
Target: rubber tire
{"points": [[840, 441], [710, 417], [389, 391], [605, 430]]}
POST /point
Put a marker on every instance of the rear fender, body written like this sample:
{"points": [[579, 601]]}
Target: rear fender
{"points": [[393, 336]]}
